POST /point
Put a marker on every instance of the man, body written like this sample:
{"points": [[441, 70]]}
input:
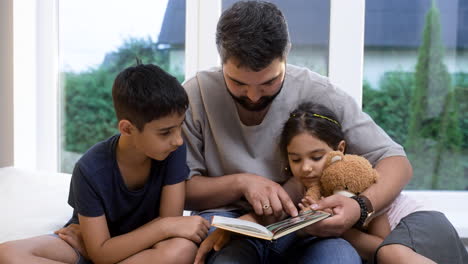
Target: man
{"points": [[232, 127]]}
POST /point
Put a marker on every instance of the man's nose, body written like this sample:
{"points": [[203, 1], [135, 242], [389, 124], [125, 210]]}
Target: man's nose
{"points": [[254, 94]]}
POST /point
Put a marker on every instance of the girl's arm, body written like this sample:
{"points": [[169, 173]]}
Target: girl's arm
{"points": [[367, 243]]}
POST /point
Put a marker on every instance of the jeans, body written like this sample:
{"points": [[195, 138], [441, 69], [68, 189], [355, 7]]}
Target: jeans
{"points": [[288, 249]]}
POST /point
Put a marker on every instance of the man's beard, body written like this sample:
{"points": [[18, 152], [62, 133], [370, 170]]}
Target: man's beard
{"points": [[260, 105]]}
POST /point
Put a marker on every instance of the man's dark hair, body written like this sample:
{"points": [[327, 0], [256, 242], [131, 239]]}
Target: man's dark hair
{"points": [[253, 32], [145, 92], [314, 119]]}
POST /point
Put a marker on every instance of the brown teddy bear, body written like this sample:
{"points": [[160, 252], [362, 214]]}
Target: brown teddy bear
{"points": [[344, 174]]}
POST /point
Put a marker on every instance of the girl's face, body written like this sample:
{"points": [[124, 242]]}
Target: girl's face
{"points": [[306, 157]]}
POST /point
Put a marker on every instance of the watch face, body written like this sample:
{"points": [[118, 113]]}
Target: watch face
{"points": [[369, 218]]}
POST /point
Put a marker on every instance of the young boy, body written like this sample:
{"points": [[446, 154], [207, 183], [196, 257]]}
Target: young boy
{"points": [[128, 191]]}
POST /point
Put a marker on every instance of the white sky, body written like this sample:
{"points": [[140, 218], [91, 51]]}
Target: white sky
{"points": [[91, 28]]}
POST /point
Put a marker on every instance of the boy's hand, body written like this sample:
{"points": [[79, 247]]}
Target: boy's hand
{"points": [[194, 228], [72, 235], [216, 241]]}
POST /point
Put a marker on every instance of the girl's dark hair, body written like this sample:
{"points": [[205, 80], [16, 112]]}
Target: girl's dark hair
{"points": [[145, 93], [314, 119], [253, 32]]}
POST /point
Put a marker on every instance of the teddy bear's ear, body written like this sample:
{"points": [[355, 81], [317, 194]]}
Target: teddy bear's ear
{"points": [[334, 156]]}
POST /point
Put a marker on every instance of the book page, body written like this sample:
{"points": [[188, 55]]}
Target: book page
{"points": [[240, 225], [294, 223]]}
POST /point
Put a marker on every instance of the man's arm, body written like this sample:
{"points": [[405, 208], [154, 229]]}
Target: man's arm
{"points": [[394, 174], [212, 192]]}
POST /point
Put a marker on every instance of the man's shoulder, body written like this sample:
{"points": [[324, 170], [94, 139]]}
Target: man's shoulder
{"points": [[204, 79], [298, 74], [307, 83], [206, 90]]}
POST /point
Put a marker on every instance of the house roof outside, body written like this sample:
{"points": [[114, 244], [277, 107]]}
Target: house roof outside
{"points": [[389, 24]]}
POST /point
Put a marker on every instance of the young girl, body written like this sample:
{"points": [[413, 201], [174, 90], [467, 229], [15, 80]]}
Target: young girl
{"points": [[308, 135]]}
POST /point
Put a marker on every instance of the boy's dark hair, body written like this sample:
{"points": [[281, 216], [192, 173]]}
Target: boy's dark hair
{"points": [[253, 32], [314, 119], [145, 92]]}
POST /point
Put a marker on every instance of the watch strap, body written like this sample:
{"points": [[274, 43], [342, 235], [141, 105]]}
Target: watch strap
{"points": [[369, 207], [364, 212]]}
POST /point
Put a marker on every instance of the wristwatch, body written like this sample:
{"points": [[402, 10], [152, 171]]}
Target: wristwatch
{"points": [[367, 210]]}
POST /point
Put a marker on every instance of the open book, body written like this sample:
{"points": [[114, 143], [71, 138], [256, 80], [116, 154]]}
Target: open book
{"points": [[270, 232]]}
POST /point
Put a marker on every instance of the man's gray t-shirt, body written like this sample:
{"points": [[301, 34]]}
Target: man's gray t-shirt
{"points": [[218, 143]]}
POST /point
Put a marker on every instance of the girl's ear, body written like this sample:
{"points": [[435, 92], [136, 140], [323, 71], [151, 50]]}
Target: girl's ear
{"points": [[342, 146], [125, 127]]}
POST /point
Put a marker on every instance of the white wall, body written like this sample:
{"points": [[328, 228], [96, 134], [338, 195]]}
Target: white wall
{"points": [[6, 83]]}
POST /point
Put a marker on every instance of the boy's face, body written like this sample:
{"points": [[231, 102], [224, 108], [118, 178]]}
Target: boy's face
{"points": [[254, 91], [160, 137]]}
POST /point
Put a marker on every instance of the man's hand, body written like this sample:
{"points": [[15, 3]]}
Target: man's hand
{"points": [[346, 213], [194, 228], [216, 241], [266, 197], [72, 235]]}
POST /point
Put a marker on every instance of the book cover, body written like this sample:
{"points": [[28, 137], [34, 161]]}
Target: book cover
{"points": [[270, 232]]}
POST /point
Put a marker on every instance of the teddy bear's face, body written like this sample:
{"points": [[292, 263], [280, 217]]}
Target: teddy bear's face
{"points": [[350, 173]]}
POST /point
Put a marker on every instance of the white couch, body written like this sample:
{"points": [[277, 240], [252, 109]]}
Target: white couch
{"points": [[32, 203]]}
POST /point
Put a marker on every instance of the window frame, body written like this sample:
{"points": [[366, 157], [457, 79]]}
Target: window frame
{"points": [[35, 84]]}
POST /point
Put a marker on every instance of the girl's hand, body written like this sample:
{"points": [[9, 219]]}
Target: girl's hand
{"points": [[194, 228], [305, 203], [216, 241]]}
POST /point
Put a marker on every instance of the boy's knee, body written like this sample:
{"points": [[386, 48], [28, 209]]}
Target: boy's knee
{"points": [[177, 250]]}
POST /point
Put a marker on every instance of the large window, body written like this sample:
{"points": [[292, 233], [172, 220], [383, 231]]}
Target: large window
{"points": [[416, 83], [415, 69], [98, 40]]}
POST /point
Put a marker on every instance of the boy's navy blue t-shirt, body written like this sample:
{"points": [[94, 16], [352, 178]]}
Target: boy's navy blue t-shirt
{"points": [[97, 187]]}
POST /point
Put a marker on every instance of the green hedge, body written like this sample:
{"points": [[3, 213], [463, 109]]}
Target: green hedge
{"points": [[389, 106]]}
